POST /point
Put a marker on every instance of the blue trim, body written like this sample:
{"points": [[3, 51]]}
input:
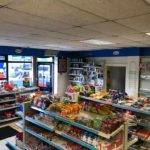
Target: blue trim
{"points": [[7, 50], [145, 51], [132, 51]]}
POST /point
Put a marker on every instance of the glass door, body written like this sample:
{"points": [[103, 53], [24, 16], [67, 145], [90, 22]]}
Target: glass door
{"points": [[45, 76]]}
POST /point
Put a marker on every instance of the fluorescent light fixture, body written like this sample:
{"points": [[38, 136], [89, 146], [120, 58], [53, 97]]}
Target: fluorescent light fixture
{"points": [[148, 33], [97, 42]]}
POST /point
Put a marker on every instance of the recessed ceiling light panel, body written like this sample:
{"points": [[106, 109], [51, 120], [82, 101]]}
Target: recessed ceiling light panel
{"points": [[97, 42], [148, 33]]}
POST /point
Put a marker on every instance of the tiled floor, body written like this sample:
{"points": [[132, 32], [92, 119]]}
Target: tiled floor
{"points": [[3, 142]]}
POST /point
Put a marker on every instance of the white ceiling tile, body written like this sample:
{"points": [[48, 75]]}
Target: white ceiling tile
{"points": [[83, 32], [5, 2], [110, 28], [55, 10], [137, 37], [141, 23], [9, 15], [112, 9]]}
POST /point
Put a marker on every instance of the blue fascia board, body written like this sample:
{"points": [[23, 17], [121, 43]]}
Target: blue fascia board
{"points": [[132, 51], [145, 51], [8, 50]]}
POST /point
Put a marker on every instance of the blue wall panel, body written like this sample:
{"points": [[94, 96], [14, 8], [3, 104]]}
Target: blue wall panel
{"points": [[6, 50]]}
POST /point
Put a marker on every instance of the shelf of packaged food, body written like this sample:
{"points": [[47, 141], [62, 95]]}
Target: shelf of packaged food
{"points": [[118, 148], [57, 146], [60, 118], [8, 108], [76, 62], [75, 81], [9, 119], [40, 124], [19, 113], [12, 146], [145, 125], [145, 140], [76, 68], [132, 142], [74, 75], [19, 124], [117, 105], [19, 91], [7, 100], [52, 114], [75, 140]]}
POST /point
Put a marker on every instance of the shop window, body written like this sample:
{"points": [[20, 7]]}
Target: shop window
{"points": [[20, 70], [49, 59], [45, 73], [20, 58], [3, 70]]}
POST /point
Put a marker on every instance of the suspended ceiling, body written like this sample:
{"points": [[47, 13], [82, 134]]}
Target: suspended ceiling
{"points": [[63, 24]]}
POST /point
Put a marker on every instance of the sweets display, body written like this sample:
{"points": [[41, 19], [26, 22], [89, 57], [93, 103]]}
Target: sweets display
{"points": [[65, 108]]}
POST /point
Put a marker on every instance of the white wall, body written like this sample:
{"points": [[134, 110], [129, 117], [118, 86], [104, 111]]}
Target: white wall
{"points": [[132, 71], [62, 83]]}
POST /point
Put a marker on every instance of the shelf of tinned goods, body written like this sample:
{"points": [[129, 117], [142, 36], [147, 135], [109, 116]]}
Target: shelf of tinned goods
{"points": [[39, 123], [117, 105], [7, 100], [60, 118], [57, 146]]}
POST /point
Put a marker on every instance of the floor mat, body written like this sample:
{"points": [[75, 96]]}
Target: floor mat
{"points": [[6, 132]]}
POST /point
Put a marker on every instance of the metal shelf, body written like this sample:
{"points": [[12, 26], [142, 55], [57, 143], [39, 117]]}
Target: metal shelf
{"points": [[74, 74], [99, 133], [39, 123], [51, 128], [144, 125], [8, 108], [76, 62], [51, 114], [76, 68], [9, 119], [118, 105], [57, 146], [130, 143], [7, 100], [75, 140]]}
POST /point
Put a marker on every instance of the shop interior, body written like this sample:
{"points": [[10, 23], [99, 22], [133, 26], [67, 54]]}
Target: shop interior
{"points": [[74, 75]]}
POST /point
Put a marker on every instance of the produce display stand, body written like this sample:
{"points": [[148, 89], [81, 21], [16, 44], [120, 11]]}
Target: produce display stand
{"points": [[119, 106], [50, 128]]}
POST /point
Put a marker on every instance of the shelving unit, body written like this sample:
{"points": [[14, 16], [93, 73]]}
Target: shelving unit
{"points": [[135, 110], [76, 71], [51, 128]]}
